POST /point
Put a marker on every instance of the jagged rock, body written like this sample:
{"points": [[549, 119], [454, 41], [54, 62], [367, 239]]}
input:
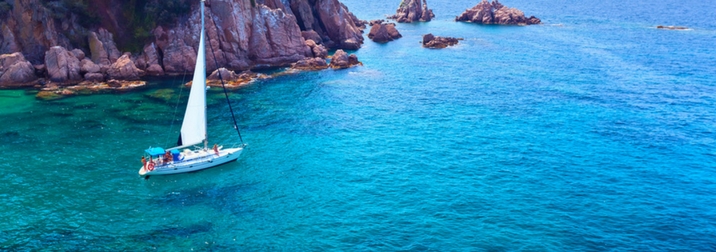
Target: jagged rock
{"points": [[339, 25], [87, 66], [124, 69], [431, 41], [312, 35], [496, 13], [318, 51], [341, 60], [30, 27], [376, 21], [356, 21], [241, 39], [310, 64], [151, 60], [412, 10], [62, 65], [15, 70], [382, 33], [232, 80], [102, 47]]}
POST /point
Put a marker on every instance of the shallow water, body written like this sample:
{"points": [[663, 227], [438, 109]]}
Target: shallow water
{"points": [[594, 131]]}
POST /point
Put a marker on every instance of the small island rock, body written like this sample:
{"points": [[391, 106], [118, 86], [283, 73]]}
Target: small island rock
{"points": [[382, 33], [496, 13], [412, 11], [431, 41], [341, 60]]}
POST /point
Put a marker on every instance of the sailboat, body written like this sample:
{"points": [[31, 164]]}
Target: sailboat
{"points": [[158, 161]]}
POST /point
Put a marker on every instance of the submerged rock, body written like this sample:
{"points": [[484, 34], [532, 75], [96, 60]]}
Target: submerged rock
{"points": [[431, 41], [672, 27], [412, 11], [496, 13]]}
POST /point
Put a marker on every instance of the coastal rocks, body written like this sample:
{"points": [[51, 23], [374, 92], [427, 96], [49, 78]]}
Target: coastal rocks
{"points": [[412, 11], [31, 29], [431, 41], [243, 37], [341, 60], [317, 51], [232, 80], [62, 66], [15, 70], [54, 92], [124, 69], [672, 27], [102, 48], [383, 33], [496, 13], [150, 60], [339, 26], [310, 64], [312, 35]]}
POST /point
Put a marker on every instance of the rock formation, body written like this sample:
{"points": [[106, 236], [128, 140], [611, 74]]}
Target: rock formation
{"points": [[310, 64], [62, 65], [496, 13], [15, 70], [431, 41], [383, 33], [231, 79], [412, 11], [241, 35], [124, 69], [342, 60]]}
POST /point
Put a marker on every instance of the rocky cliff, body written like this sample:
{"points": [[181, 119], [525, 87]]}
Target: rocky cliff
{"points": [[242, 34]]}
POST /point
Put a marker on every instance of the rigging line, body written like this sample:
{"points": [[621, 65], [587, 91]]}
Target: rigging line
{"points": [[226, 93], [176, 107]]}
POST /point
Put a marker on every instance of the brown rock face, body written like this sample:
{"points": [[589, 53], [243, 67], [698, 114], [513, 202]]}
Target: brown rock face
{"points": [[124, 69], [87, 66], [318, 51], [31, 29], [341, 60], [62, 65], [310, 64], [339, 25], [15, 70], [496, 13], [102, 48], [383, 33], [151, 60], [241, 36], [412, 11], [312, 35], [431, 41]]}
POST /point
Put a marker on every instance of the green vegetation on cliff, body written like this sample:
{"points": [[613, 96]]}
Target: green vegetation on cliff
{"points": [[131, 21]]}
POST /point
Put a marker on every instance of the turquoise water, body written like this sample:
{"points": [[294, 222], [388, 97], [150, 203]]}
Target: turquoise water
{"points": [[594, 131]]}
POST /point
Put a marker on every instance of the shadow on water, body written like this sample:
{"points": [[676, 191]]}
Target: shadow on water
{"points": [[223, 199], [166, 233], [15, 137]]}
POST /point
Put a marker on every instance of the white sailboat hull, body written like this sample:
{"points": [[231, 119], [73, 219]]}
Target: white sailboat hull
{"points": [[194, 161]]}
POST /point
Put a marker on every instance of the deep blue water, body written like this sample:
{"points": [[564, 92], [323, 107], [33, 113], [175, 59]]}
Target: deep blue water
{"points": [[594, 131]]}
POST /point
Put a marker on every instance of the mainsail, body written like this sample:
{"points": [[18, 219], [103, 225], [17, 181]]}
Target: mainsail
{"points": [[193, 129]]}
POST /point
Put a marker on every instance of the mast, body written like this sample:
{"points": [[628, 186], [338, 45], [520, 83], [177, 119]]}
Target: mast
{"points": [[206, 126]]}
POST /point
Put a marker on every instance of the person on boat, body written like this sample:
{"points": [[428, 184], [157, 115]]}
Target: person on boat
{"points": [[216, 149], [144, 161], [167, 156]]}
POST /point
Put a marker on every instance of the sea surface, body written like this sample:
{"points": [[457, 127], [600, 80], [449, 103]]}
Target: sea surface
{"points": [[593, 131]]}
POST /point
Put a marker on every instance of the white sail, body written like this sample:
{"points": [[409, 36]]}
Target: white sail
{"points": [[193, 129]]}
